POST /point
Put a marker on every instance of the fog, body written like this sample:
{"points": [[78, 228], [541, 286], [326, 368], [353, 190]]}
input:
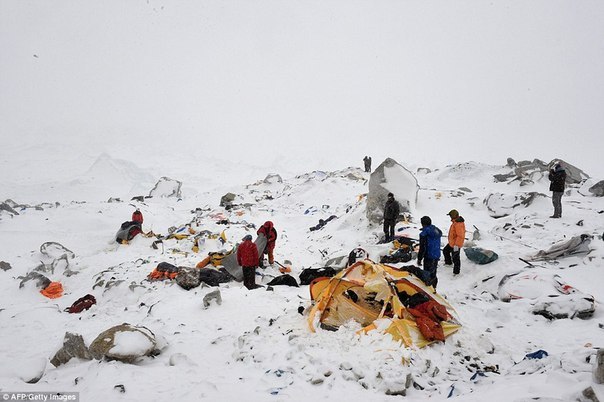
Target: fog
{"points": [[310, 84]]}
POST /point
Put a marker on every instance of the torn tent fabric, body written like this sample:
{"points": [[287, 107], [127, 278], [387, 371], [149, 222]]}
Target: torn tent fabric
{"points": [[574, 246], [385, 298]]}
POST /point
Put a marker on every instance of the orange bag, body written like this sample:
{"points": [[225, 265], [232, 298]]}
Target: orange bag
{"points": [[53, 290]]}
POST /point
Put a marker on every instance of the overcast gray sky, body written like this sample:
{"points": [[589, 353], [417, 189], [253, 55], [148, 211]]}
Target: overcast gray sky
{"points": [[421, 81]]}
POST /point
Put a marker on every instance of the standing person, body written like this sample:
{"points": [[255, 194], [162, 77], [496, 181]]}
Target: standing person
{"points": [[557, 176], [429, 250], [367, 161], [457, 233], [391, 212], [269, 231], [247, 258]]}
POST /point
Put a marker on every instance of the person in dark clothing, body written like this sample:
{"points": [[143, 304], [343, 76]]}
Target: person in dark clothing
{"points": [[268, 230], [557, 177], [456, 238], [391, 212], [429, 249], [367, 162], [247, 258]]}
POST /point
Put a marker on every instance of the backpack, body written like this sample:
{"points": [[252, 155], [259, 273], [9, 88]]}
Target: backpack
{"points": [[214, 277], [127, 231], [287, 280], [309, 274], [83, 303], [163, 270]]}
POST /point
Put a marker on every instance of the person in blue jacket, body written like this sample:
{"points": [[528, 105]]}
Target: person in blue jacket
{"points": [[429, 250]]}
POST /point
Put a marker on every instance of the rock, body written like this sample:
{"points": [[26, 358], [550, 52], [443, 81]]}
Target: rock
{"points": [[227, 200], [31, 370], [272, 178], [390, 177], [599, 369], [511, 162], [166, 187], [56, 250], [125, 343], [597, 189], [214, 295], [41, 281], [120, 387], [73, 346], [188, 278], [573, 174], [500, 205], [6, 207], [590, 394], [5, 266]]}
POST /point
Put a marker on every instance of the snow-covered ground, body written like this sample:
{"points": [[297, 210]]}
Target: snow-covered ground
{"points": [[256, 346]]}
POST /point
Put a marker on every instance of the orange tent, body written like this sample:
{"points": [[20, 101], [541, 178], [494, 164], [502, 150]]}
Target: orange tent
{"points": [[368, 293]]}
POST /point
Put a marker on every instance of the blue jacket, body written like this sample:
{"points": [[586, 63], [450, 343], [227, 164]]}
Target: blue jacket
{"points": [[429, 243]]}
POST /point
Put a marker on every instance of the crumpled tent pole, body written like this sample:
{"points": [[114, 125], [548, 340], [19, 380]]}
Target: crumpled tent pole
{"points": [[230, 261]]}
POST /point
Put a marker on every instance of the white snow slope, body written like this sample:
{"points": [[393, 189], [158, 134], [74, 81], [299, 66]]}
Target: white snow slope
{"points": [[256, 346]]}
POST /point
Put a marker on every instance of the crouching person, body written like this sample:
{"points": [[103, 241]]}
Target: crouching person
{"points": [[247, 258]]}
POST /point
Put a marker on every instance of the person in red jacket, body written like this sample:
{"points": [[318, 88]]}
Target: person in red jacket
{"points": [[268, 230], [247, 258]]}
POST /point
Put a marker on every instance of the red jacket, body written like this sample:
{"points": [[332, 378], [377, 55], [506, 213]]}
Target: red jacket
{"points": [[247, 254], [137, 216], [269, 231]]}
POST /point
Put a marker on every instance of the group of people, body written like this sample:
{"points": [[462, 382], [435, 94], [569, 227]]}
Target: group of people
{"points": [[250, 258], [430, 235], [429, 246]]}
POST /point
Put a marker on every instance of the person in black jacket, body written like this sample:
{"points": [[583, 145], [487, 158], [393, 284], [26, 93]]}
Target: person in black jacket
{"points": [[557, 177], [391, 212], [367, 162]]}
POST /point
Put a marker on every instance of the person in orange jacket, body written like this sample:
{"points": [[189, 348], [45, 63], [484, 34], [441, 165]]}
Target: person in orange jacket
{"points": [[268, 230], [457, 233]]}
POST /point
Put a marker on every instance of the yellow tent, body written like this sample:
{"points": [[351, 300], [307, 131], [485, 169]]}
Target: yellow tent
{"points": [[368, 293]]}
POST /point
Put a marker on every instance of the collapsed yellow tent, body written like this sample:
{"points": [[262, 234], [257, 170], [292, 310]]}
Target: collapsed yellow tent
{"points": [[368, 293]]}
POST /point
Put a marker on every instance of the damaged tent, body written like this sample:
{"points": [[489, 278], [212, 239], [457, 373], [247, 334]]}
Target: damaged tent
{"points": [[574, 246], [229, 262], [384, 298], [551, 296]]}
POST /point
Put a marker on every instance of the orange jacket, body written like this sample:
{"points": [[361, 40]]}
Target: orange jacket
{"points": [[457, 232]]}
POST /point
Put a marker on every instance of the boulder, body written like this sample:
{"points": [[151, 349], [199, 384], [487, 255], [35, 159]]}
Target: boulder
{"points": [[599, 369], [214, 295], [41, 281], [5, 266], [390, 177], [500, 205], [227, 200], [125, 343], [527, 172], [597, 189], [54, 250], [166, 187], [272, 178], [188, 278], [73, 346]]}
